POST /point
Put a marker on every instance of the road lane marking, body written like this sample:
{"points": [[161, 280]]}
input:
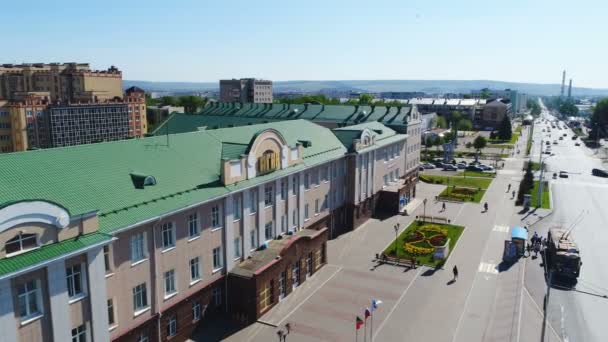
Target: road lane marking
{"points": [[397, 303], [486, 267], [501, 229]]}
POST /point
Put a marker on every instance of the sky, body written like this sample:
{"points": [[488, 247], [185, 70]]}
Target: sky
{"points": [[202, 40]]}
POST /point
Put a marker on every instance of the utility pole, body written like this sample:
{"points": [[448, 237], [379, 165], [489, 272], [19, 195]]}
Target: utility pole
{"points": [[540, 183]]}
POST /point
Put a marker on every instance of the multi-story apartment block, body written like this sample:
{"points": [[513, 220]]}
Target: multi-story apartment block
{"points": [[51, 105], [108, 242], [246, 90], [68, 82]]}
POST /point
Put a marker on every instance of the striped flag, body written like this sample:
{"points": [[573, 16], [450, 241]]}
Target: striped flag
{"points": [[375, 303], [358, 323], [367, 313]]}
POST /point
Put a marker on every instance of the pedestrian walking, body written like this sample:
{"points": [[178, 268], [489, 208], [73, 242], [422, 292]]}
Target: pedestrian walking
{"points": [[509, 187], [455, 271], [443, 206], [288, 328], [513, 194]]}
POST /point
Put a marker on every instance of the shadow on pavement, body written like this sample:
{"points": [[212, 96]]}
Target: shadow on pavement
{"points": [[505, 265], [450, 282], [216, 329]]}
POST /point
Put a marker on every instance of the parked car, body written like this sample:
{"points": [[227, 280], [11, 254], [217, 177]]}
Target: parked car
{"points": [[599, 173], [574, 137], [474, 168], [554, 142], [565, 135], [563, 174], [561, 138], [461, 165], [438, 164], [577, 144], [428, 166], [449, 167], [554, 175], [547, 142]]}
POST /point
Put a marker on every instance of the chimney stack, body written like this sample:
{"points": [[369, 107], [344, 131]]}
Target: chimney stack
{"points": [[563, 83], [570, 88]]}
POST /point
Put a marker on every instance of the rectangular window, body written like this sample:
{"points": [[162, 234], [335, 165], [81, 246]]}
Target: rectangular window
{"points": [[316, 206], [140, 297], [306, 217], [268, 194], [79, 334], [29, 297], [170, 283], [268, 231], [306, 181], [195, 270], [216, 221], [385, 178], [237, 207], [253, 237], [315, 175], [335, 171], [193, 225], [138, 251], [172, 326], [385, 152], [217, 258], [325, 203], [309, 265], [294, 218], [237, 247], [217, 296], [106, 258], [74, 279], [294, 185], [283, 189], [283, 223], [111, 317], [167, 235], [324, 173], [397, 173], [253, 203], [196, 311]]}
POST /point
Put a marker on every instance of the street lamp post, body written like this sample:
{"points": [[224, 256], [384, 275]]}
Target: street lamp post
{"points": [[396, 235], [424, 211]]}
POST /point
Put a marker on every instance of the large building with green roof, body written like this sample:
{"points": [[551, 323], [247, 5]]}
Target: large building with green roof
{"points": [[122, 240]]}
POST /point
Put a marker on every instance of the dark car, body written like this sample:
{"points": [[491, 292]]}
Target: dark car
{"points": [[563, 174], [599, 173], [449, 167], [474, 168]]}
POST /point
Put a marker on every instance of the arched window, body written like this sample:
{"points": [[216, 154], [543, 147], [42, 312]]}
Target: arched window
{"points": [[268, 162], [21, 242]]}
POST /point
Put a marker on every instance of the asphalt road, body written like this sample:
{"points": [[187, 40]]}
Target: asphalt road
{"points": [[580, 314]]}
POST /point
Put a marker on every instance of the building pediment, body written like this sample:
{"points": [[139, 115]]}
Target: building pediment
{"points": [[33, 212]]}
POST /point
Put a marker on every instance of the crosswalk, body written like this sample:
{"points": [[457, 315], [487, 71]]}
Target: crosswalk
{"points": [[486, 267], [501, 229]]}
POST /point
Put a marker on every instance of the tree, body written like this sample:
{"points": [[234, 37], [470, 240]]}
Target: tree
{"points": [[493, 135], [448, 136], [191, 103], [480, 143], [485, 93], [465, 125], [366, 99], [468, 145], [505, 130], [525, 185], [568, 108], [169, 101], [150, 101], [599, 120], [441, 122]]}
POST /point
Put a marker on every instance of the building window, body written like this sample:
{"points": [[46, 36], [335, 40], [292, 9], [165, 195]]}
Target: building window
{"points": [[253, 200], [325, 204], [106, 258], [21, 242], [397, 173], [237, 207], [193, 225], [306, 216], [140, 298], [216, 221], [294, 218], [79, 334], [268, 230], [306, 181], [385, 179], [217, 296], [315, 176], [324, 173], [268, 194], [268, 162], [309, 265], [294, 185], [172, 326], [168, 235], [237, 247], [74, 279], [253, 239], [316, 206], [217, 258], [385, 152], [30, 299], [170, 283], [283, 188], [283, 223], [266, 295], [196, 311], [195, 270], [138, 251], [111, 315]]}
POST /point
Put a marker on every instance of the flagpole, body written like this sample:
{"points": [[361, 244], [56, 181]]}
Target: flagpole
{"points": [[356, 334], [371, 330], [365, 330]]}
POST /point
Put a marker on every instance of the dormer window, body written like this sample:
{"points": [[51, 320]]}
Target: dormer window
{"points": [[21, 242], [268, 162]]}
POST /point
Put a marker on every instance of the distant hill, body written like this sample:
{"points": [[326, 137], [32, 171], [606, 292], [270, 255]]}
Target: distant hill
{"points": [[427, 86]]}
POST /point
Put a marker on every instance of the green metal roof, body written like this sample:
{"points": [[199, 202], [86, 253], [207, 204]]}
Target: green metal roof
{"points": [[50, 252], [186, 167]]}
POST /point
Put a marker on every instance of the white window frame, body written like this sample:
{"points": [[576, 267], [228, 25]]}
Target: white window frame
{"points": [[140, 294], [79, 333], [253, 239], [237, 247], [268, 227], [195, 270], [111, 307], [170, 284], [268, 195], [253, 201], [316, 206], [167, 236], [172, 326], [26, 296], [218, 262], [236, 204], [283, 189], [193, 226], [306, 213], [216, 217], [20, 241], [196, 311], [71, 273]]}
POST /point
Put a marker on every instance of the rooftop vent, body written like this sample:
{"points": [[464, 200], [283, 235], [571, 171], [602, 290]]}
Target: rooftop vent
{"points": [[141, 180], [306, 143]]}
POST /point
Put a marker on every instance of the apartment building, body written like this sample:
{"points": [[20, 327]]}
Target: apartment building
{"points": [[246, 90], [109, 242], [68, 82]]}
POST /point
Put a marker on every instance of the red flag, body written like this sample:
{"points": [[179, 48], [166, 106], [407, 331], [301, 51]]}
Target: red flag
{"points": [[367, 313], [358, 323]]}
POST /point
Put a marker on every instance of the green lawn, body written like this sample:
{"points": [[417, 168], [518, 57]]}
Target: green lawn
{"points": [[545, 204], [518, 130], [478, 174], [480, 182], [514, 137], [499, 146], [453, 233], [535, 166], [463, 194]]}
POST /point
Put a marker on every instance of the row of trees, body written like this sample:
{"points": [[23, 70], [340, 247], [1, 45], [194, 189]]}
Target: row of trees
{"points": [[457, 121], [315, 99], [599, 120], [564, 106], [534, 107], [191, 103]]}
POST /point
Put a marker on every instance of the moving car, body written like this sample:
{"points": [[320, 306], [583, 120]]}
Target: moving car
{"points": [[449, 167], [547, 142], [461, 165], [577, 144], [473, 168], [428, 166], [599, 173], [563, 174], [561, 138], [554, 142]]}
